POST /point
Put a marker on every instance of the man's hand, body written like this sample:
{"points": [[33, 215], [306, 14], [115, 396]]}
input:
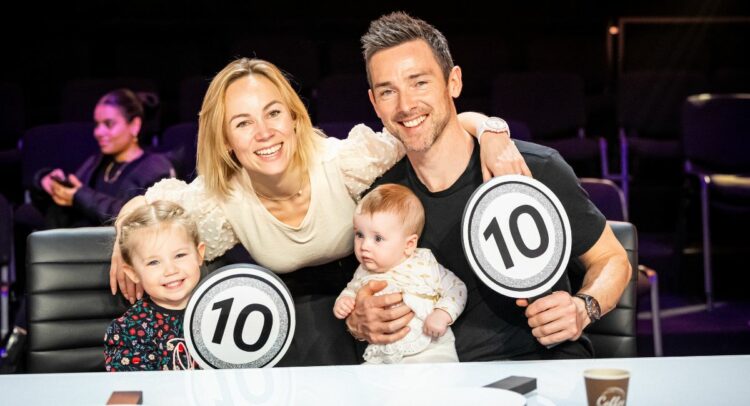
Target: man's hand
{"points": [[343, 306], [500, 156], [436, 323], [556, 317], [379, 319]]}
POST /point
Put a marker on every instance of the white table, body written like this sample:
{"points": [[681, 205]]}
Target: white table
{"points": [[663, 381]]}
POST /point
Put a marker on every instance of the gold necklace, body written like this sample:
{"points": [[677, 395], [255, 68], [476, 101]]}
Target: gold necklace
{"points": [[281, 199], [108, 169], [117, 174]]}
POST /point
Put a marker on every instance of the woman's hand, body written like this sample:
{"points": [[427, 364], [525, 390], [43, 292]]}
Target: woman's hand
{"points": [[500, 156], [117, 277], [47, 180], [498, 153], [63, 195]]}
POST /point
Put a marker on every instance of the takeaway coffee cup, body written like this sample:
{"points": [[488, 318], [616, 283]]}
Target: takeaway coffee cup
{"points": [[606, 387]]}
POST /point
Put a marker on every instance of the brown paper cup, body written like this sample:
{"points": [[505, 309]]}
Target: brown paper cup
{"points": [[606, 387]]}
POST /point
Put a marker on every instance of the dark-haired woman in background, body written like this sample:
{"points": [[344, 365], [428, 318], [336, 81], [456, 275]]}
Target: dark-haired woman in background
{"points": [[95, 193], [106, 181]]}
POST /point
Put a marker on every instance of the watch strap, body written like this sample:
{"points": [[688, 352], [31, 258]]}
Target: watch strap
{"points": [[489, 125]]}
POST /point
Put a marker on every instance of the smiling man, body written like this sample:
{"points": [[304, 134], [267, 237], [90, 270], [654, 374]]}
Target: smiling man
{"points": [[413, 82]]}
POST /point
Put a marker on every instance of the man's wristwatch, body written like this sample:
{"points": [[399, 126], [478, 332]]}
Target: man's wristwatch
{"points": [[592, 306], [493, 125]]}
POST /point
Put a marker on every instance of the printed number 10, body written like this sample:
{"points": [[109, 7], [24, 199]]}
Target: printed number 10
{"points": [[493, 230], [225, 306]]}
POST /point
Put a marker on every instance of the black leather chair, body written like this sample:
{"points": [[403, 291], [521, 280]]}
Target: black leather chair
{"points": [[69, 303], [610, 200], [614, 336]]}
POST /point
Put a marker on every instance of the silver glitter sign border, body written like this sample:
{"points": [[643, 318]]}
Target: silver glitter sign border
{"points": [[475, 233], [227, 283]]}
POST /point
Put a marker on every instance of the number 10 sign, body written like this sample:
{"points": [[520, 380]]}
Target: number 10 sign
{"points": [[240, 316], [516, 236]]}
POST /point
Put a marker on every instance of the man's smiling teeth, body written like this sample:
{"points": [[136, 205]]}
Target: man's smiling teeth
{"points": [[269, 150], [413, 123]]}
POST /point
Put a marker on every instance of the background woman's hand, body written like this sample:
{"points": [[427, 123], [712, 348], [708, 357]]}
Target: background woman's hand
{"points": [[47, 180], [63, 195]]}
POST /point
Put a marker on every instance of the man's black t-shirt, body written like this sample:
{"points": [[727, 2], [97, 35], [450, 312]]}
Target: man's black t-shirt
{"points": [[492, 327]]}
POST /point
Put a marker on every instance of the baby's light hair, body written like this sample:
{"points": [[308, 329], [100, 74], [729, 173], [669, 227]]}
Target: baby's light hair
{"points": [[396, 199], [158, 213]]}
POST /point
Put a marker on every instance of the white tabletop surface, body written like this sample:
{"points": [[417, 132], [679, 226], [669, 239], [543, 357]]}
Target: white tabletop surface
{"points": [[664, 381]]}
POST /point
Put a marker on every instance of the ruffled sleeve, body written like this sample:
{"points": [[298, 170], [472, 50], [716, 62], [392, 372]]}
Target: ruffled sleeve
{"points": [[365, 155], [214, 227]]}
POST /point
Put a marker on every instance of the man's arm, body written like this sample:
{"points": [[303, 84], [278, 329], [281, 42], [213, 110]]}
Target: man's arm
{"points": [[608, 271], [560, 316]]}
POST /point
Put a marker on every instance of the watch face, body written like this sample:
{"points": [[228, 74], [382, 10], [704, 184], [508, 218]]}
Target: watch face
{"points": [[592, 306], [496, 124]]}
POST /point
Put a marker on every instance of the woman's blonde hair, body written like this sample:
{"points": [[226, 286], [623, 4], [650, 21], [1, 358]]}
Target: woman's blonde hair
{"points": [[215, 162], [158, 213], [398, 200]]}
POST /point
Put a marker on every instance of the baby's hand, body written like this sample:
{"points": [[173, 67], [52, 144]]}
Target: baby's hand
{"points": [[437, 323], [343, 306]]}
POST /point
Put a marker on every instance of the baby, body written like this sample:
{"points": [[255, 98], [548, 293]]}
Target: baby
{"points": [[387, 225], [160, 247]]}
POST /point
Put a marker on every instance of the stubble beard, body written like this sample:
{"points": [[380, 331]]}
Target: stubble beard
{"points": [[423, 143]]}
